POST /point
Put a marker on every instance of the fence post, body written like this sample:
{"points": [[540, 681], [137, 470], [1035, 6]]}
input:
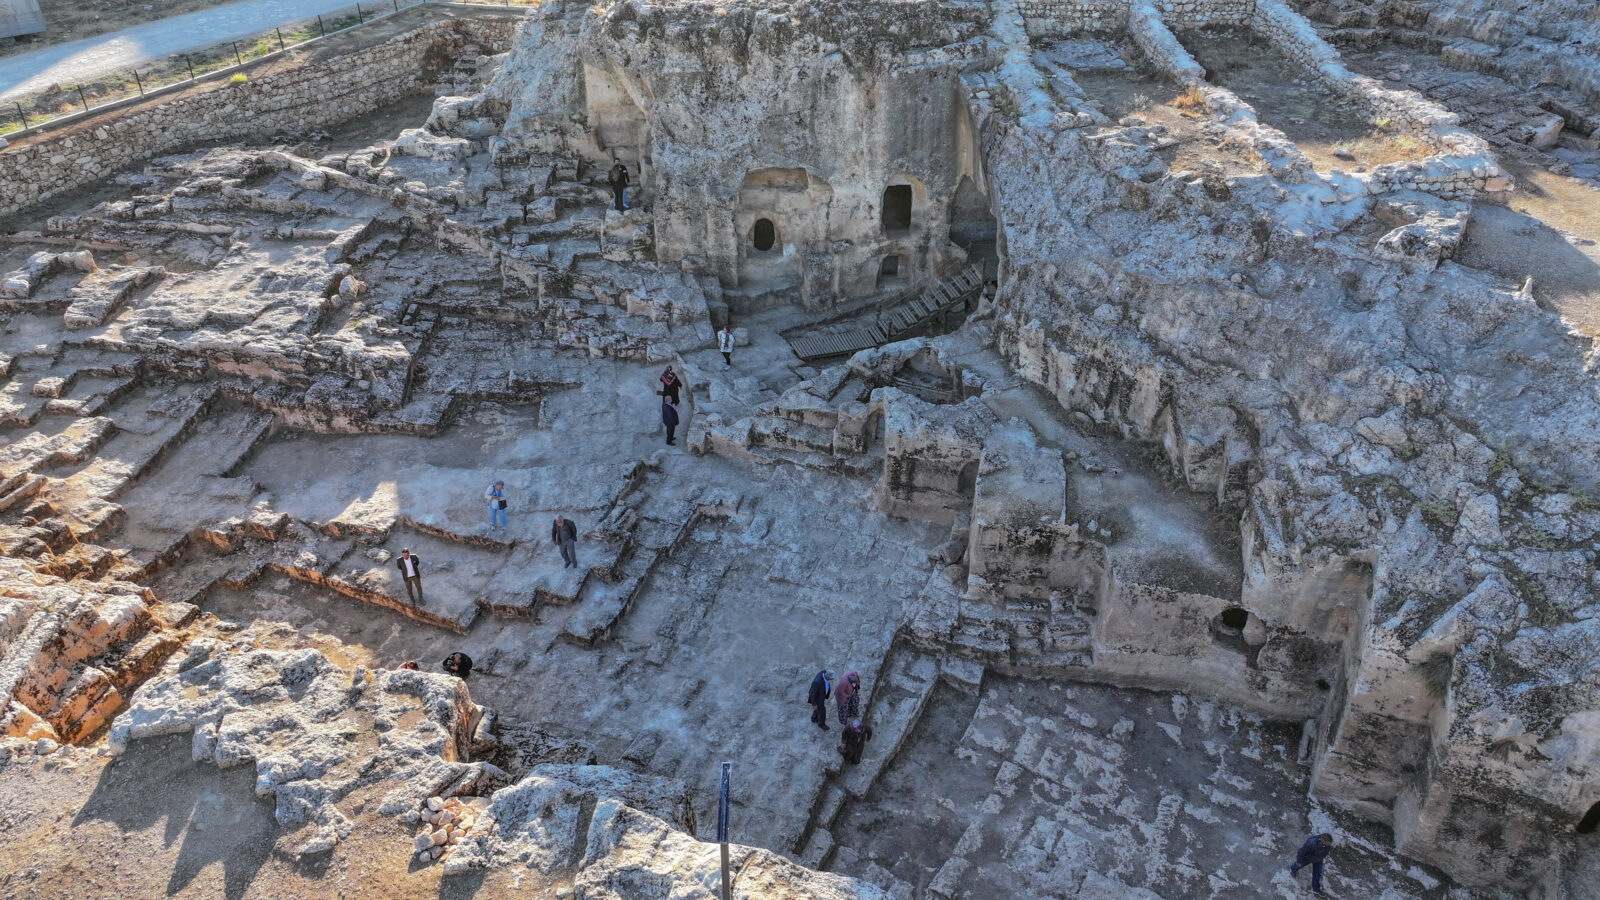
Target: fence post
{"points": [[236, 57], [81, 97], [139, 81], [22, 116], [359, 18], [396, 5], [190, 63], [280, 37], [323, 31]]}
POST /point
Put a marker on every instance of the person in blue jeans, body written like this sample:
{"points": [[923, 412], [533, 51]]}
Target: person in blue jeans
{"points": [[496, 495], [1313, 853]]}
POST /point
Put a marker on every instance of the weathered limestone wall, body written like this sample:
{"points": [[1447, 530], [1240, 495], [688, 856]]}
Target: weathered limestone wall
{"points": [[1338, 455], [1153, 636], [319, 94], [737, 118], [931, 454]]}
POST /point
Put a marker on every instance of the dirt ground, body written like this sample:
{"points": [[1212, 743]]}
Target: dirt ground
{"points": [[71, 21], [1551, 232], [1332, 133]]}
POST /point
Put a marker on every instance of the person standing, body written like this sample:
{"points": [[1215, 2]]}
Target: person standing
{"points": [[1314, 852], [496, 495], [848, 697], [411, 570], [618, 179], [670, 385], [564, 532], [669, 418], [725, 345], [854, 741], [821, 690]]}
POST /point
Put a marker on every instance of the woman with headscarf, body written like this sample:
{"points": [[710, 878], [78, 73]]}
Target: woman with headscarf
{"points": [[670, 385], [848, 697], [854, 741]]}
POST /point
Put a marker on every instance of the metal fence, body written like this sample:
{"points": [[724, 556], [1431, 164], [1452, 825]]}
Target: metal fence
{"points": [[224, 60]]}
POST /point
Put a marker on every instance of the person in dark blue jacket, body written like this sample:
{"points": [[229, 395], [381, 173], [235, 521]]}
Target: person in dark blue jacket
{"points": [[1313, 853], [669, 417], [821, 690]]}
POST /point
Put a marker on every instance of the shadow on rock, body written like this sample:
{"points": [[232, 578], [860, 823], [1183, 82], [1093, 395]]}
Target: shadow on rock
{"points": [[211, 814]]}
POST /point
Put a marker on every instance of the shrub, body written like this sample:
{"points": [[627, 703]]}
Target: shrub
{"points": [[239, 78], [1192, 100]]}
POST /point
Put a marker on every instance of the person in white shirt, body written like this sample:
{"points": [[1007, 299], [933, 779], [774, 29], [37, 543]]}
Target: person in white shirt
{"points": [[725, 345], [496, 495], [411, 570]]}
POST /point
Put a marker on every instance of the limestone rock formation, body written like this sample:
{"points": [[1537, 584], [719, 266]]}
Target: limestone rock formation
{"points": [[1253, 404]]}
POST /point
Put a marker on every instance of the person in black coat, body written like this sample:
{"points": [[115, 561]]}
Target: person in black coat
{"points": [[854, 741], [669, 417], [411, 570], [564, 533], [458, 664], [821, 690], [670, 385], [1314, 852], [618, 179]]}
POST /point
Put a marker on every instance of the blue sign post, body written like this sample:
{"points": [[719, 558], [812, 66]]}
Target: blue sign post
{"points": [[722, 829]]}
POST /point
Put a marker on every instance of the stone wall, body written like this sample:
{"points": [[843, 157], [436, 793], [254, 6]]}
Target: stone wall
{"points": [[319, 94], [1059, 18]]}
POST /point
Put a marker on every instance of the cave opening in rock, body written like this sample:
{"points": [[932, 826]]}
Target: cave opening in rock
{"points": [[1590, 821], [1236, 617], [889, 271], [765, 236], [897, 209]]}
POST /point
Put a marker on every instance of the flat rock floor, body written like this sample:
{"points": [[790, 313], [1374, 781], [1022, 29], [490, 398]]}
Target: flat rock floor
{"points": [[1048, 789]]}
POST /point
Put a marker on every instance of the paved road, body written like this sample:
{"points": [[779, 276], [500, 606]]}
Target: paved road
{"points": [[121, 51]]}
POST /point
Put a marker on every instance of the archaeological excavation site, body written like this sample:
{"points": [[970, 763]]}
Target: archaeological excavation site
{"points": [[1183, 416]]}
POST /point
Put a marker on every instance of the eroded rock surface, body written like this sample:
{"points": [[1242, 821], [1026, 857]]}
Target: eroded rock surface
{"points": [[1233, 409]]}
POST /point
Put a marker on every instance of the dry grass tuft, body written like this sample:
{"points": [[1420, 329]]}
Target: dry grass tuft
{"points": [[1191, 100]]}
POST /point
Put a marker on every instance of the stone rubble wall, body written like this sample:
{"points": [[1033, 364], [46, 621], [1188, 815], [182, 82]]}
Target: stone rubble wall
{"points": [[319, 94], [1161, 47], [1061, 18]]}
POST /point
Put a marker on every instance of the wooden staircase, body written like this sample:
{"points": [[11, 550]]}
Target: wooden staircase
{"points": [[900, 317]]}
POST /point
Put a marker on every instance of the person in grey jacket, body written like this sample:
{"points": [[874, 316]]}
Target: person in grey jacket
{"points": [[564, 534]]}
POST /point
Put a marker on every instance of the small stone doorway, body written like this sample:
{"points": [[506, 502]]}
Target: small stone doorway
{"points": [[897, 209]]}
